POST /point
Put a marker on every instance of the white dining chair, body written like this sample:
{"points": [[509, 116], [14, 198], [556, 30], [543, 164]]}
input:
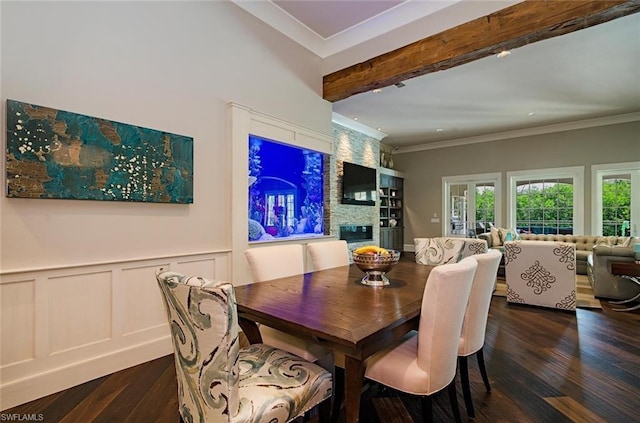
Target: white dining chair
{"points": [[328, 254], [280, 261], [474, 325], [275, 261], [425, 362]]}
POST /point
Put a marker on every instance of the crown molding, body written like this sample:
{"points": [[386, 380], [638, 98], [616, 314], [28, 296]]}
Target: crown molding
{"points": [[540, 130], [357, 126], [381, 24], [283, 22]]}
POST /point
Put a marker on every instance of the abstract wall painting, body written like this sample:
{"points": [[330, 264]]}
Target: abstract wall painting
{"points": [[58, 154]]}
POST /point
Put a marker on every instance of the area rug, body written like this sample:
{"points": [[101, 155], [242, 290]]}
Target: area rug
{"points": [[585, 298]]}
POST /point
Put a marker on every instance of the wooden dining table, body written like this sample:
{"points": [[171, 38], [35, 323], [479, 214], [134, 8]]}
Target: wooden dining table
{"points": [[331, 307]]}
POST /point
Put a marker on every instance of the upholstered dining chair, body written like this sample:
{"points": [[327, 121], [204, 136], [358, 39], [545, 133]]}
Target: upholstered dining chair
{"points": [[220, 382], [280, 261], [474, 325], [425, 362], [328, 254]]}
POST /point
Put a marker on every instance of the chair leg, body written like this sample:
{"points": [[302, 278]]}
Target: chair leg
{"points": [[483, 370], [427, 409], [324, 410], [466, 389], [338, 395], [453, 398]]}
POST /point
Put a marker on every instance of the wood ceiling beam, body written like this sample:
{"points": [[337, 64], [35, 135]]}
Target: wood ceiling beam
{"points": [[515, 26]]}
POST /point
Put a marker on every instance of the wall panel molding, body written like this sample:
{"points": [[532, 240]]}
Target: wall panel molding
{"points": [[67, 325]]}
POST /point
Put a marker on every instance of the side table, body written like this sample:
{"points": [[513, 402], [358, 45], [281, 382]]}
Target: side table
{"points": [[631, 271]]}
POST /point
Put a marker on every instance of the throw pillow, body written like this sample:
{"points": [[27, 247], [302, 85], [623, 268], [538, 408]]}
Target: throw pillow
{"points": [[607, 240], [496, 241], [509, 235]]}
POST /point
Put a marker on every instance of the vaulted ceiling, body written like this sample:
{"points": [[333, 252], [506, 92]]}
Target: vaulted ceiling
{"points": [[584, 72]]}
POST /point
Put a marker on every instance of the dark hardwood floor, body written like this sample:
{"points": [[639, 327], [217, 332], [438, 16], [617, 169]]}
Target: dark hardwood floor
{"points": [[544, 366]]}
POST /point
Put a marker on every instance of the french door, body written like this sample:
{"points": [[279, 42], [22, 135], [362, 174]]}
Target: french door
{"points": [[471, 204]]}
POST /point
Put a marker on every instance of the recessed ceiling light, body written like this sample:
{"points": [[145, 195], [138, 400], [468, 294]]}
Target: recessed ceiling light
{"points": [[379, 129], [439, 130], [355, 118], [377, 90], [503, 53], [531, 113]]}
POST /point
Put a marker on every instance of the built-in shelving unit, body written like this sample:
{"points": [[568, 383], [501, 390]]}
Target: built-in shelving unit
{"points": [[391, 209]]}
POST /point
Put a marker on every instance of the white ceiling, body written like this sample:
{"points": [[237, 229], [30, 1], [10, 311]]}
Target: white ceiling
{"points": [[585, 78]]}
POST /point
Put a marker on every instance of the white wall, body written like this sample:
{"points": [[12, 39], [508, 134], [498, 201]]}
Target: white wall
{"points": [[171, 66]]}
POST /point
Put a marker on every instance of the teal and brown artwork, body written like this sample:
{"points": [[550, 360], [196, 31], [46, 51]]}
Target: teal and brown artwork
{"points": [[58, 154]]}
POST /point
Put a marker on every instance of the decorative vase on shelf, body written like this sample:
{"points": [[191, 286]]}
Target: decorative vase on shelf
{"points": [[390, 164], [382, 159]]}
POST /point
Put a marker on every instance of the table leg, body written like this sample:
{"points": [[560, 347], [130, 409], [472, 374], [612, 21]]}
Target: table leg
{"points": [[251, 331], [354, 378]]}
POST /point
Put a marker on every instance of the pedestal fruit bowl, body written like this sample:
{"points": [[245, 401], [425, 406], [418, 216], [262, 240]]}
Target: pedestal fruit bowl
{"points": [[375, 262]]}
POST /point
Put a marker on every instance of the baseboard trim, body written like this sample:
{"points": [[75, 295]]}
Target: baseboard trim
{"points": [[46, 383]]}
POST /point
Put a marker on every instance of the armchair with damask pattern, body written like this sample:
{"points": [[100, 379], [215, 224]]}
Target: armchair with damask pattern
{"points": [[444, 250], [541, 273]]}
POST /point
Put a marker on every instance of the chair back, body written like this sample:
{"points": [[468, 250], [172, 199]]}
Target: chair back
{"points": [[328, 254], [204, 329], [443, 306], [442, 250], [275, 261], [474, 325]]}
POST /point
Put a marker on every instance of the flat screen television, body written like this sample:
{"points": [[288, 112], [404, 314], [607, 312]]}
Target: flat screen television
{"points": [[358, 184]]}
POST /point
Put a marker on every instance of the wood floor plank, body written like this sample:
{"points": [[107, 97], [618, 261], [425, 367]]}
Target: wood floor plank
{"points": [[573, 410], [67, 400], [94, 404], [391, 410], [160, 403], [128, 398]]}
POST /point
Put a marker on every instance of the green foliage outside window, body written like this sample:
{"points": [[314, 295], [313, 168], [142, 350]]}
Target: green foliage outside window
{"points": [[545, 207], [616, 210], [485, 206]]}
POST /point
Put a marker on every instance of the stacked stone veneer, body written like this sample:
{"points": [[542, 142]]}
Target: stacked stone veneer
{"points": [[354, 147]]}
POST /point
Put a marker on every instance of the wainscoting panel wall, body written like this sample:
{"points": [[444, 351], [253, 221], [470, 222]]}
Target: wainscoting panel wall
{"points": [[66, 326]]}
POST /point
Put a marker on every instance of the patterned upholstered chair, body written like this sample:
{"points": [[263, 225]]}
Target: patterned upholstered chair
{"points": [[541, 273], [437, 251], [220, 382]]}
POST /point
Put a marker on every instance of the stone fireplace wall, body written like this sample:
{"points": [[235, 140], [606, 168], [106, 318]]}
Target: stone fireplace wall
{"points": [[355, 147]]}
